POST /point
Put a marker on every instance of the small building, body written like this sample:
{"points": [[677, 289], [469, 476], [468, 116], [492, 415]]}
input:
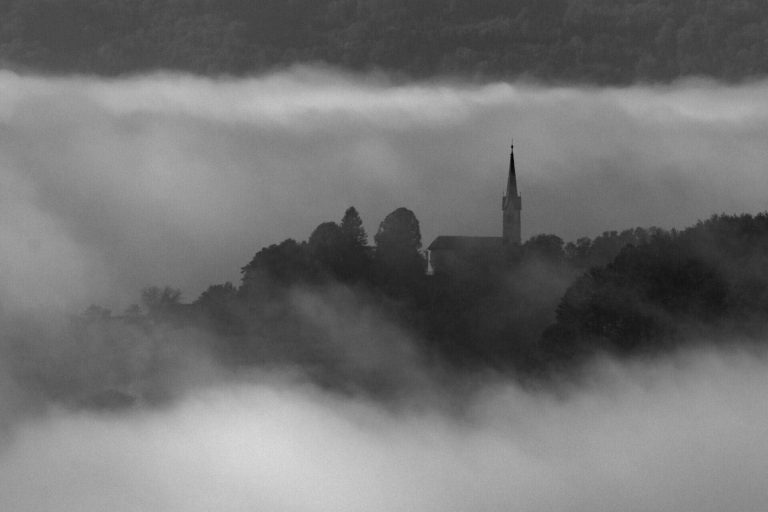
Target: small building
{"points": [[450, 254]]}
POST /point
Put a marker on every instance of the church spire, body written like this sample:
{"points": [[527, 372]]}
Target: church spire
{"points": [[511, 205], [512, 178]]}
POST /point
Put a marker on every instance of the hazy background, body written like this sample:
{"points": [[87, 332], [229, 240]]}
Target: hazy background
{"points": [[108, 186]]}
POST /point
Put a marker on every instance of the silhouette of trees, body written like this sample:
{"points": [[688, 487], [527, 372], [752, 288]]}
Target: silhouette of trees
{"points": [[277, 267], [544, 247], [159, 301], [327, 246], [356, 255], [585, 253], [352, 227], [620, 41], [333, 252], [400, 265], [637, 291], [706, 281], [219, 306]]}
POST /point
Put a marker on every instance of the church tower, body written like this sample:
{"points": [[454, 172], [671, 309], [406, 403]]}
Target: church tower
{"points": [[511, 205]]}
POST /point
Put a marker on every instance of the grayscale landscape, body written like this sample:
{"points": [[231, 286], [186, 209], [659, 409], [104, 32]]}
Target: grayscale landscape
{"points": [[220, 289]]}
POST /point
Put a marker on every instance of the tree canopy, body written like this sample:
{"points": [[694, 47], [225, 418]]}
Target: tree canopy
{"points": [[635, 292], [597, 41], [706, 281], [399, 262]]}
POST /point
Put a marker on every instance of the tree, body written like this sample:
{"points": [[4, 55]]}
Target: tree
{"points": [[547, 248], [646, 298], [158, 300], [278, 266], [217, 294], [356, 253], [352, 228], [326, 245], [400, 264], [219, 305]]}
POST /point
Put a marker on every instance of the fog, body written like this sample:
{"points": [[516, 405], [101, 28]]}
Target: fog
{"points": [[109, 186], [685, 434]]}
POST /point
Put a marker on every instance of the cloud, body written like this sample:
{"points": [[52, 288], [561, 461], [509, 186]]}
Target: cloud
{"points": [[108, 186], [684, 434]]}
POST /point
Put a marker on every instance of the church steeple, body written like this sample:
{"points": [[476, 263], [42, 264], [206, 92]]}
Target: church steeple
{"points": [[511, 205], [512, 178]]}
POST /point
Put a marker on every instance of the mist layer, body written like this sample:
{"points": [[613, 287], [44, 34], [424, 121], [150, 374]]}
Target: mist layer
{"points": [[112, 185], [686, 434]]}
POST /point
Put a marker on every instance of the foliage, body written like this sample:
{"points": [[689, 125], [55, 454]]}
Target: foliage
{"points": [[352, 228], [326, 246], [706, 281], [544, 247], [276, 266], [632, 292], [355, 253], [602, 41], [218, 305], [400, 265]]}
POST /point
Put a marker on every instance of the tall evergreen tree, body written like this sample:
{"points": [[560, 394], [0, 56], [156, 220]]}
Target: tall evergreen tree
{"points": [[356, 254], [352, 227]]}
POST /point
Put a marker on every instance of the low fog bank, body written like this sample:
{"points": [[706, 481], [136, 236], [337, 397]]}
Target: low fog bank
{"points": [[109, 186], [685, 433], [333, 337]]}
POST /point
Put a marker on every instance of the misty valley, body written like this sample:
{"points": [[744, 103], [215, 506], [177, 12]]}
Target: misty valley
{"points": [[317, 291], [340, 309], [282, 256]]}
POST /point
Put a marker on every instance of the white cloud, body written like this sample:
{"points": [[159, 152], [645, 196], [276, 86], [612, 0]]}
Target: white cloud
{"points": [[686, 434]]}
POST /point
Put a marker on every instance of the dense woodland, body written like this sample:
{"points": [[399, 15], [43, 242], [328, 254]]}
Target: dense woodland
{"points": [[598, 41], [552, 306]]}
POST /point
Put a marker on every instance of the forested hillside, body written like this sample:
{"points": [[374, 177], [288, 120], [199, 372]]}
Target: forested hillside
{"points": [[357, 317], [599, 41], [638, 291]]}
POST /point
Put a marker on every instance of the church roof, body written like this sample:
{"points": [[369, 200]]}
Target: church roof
{"points": [[467, 243]]}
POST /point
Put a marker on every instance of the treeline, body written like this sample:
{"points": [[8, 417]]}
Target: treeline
{"points": [[708, 283], [492, 313], [552, 303], [355, 315], [598, 41]]}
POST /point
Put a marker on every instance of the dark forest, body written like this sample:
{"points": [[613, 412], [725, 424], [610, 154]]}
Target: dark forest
{"points": [[588, 41], [550, 308]]}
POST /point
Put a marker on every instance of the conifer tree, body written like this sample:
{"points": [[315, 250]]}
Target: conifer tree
{"points": [[356, 254], [352, 227]]}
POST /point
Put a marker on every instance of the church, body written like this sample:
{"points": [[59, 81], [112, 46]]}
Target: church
{"points": [[451, 254]]}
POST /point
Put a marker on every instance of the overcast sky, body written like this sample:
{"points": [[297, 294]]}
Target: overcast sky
{"points": [[108, 186]]}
